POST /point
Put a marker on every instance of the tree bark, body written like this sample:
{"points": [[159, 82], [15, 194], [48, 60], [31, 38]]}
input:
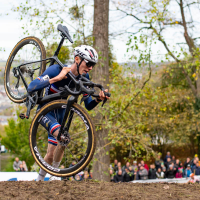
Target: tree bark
{"points": [[100, 74], [188, 39]]}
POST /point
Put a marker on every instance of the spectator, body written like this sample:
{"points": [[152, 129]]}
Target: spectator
{"points": [[115, 168], [187, 171], [144, 165], [139, 165], [111, 176], [16, 164], [77, 177], [163, 168], [170, 173], [181, 164], [179, 174], [73, 163], [125, 167], [160, 174], [142, 173], [173, 159], [21, 169], [193, 179], [86, 175], [24, 166], [158, 162], [71, 178], [135, 167], [194, 160], [128, 176], [187, 162], [167, 156], [177, 165], [118, 166], [168, 163], [118, 177], [152, 172], [196, 169]]}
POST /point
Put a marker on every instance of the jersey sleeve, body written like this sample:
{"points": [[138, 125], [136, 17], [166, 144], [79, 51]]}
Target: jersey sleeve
{"points": [[43, 80], [89, 102]]}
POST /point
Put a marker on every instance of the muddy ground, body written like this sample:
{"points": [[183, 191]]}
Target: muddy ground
{"points": [[72, 190]]}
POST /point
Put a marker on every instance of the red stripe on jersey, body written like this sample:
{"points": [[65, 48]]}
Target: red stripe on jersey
{"points": [[52, 90], [38, 78], [55, 142], [55, 127]]}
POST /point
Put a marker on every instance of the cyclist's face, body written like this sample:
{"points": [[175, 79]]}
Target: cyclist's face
{"points": [[85, 67]]}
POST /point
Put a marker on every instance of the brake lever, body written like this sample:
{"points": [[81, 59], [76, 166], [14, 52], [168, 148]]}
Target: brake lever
{"points": [[84, 98], [107, 94]]}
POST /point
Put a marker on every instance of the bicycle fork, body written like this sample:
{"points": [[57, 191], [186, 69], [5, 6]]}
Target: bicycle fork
{"points": [[69, 113]]}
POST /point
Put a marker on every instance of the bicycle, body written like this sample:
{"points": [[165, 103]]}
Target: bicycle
{"points": [[76, 122]]}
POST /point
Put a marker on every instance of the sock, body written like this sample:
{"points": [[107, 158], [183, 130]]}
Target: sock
{"points": [[41, 175], [56, 164]]}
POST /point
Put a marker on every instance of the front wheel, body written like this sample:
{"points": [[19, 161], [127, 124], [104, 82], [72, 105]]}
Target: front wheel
{"points": [[78, 153]]}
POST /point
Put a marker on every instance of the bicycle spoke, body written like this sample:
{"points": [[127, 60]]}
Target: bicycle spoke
{"points": [[78, 133], [72, 154]]}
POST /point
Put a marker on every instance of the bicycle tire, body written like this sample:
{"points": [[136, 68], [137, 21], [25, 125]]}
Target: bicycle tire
{"points": [[91, 144], [33, 42]]}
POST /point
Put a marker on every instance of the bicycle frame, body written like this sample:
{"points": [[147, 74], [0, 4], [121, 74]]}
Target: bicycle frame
{"points": [[52, 59], [79, 86]]}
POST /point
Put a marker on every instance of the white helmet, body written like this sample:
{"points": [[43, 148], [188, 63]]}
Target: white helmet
{"points": [[86, 52]]}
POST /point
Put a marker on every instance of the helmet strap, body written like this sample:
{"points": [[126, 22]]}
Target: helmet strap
{"points": [[78, 65]]}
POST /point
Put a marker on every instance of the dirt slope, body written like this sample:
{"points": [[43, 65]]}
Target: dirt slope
{"points": [[72, 190]]}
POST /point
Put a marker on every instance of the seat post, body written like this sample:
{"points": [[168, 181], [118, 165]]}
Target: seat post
{"points": [[58, 49]]}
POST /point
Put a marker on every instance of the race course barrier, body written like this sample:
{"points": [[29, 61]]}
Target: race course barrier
{"points": [[20, 176], [168, 180]]}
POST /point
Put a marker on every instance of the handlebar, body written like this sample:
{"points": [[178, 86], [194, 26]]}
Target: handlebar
{"points": [[82, 83]]}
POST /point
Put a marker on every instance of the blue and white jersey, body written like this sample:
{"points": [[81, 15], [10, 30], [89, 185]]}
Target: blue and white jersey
{"points": [[51, 72]]}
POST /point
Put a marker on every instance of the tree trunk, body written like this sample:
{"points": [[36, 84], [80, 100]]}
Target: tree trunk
{"points": [[100, 75]]}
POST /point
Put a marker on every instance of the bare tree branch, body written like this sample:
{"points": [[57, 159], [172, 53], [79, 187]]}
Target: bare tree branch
{"points": [[128, 14], [194, 91], [187, 37], [189, 4]]}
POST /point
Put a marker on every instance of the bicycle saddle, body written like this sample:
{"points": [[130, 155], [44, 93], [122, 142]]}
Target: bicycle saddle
{"points": [[65, 32]]}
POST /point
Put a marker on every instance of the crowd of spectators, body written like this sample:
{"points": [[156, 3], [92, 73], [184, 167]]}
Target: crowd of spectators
{"points": [[83, 175], [19, 166], [169, 167]]}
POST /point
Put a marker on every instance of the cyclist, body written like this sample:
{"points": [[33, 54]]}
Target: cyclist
{"points": [[53, 80]]}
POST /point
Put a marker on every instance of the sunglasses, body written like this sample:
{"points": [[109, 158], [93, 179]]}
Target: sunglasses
{"points": [[89, 63]]}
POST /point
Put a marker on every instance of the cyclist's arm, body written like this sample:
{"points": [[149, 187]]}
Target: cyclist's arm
{"points": [[89, 102], [51, 75]]}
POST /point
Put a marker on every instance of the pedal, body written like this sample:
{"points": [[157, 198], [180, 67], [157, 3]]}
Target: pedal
{"points": [[22, 115]]}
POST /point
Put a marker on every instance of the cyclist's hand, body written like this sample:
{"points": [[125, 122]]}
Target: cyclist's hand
{"points": [[60, 76], [63, 73], [102, 96]]}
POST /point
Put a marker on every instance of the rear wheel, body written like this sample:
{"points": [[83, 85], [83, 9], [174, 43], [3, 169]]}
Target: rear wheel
{"points": [[27, 50], [82, 143]]}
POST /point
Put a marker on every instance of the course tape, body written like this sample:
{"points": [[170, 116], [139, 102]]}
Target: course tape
{"points": [[173, 180], [20, 176]]}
